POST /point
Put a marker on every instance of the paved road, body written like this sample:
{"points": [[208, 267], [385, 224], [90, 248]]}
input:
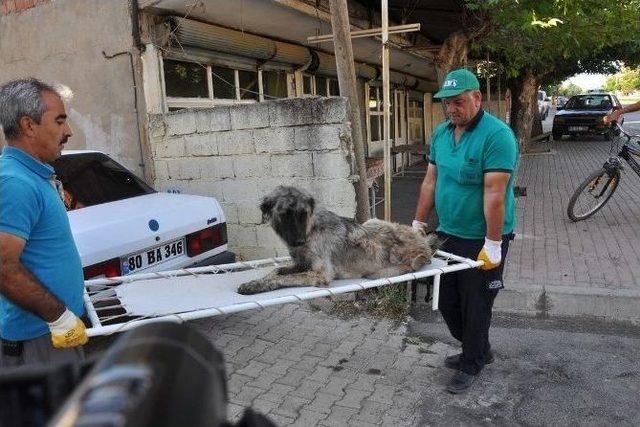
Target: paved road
{"points": [[632, 121], [304, 367]]}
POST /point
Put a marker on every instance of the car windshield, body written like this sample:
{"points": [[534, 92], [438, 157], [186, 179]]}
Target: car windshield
{"points": [[93, 178], [589, 102]]}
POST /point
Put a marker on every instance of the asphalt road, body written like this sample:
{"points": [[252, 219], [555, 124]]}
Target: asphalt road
{"points": [[632, 121], [547, 372]]}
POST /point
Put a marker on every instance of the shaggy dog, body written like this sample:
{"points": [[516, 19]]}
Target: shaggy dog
{"points": [[325, 246]]}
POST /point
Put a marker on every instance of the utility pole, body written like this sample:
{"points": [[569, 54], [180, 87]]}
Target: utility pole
{"points": [[386, 107], [347, 83]]}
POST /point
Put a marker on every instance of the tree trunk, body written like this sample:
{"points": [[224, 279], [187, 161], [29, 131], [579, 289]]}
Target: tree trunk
{"points": [[524, 107], [536, 127], [452, 54]]}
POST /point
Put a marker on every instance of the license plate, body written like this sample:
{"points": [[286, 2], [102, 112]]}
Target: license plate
{"points": [[578, 128], [151, 257]]}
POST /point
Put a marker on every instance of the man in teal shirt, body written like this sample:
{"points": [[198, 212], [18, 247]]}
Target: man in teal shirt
{"points": [[472, 166], [41, 279]]}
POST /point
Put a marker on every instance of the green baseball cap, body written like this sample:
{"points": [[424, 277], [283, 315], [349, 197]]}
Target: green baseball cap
{"points": [[456, 82]]}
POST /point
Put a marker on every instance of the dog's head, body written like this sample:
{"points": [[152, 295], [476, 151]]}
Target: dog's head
{"points": [[288, 210]]}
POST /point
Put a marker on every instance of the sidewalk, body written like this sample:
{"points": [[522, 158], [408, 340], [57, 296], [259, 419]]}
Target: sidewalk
{"points": [[303, 367]]}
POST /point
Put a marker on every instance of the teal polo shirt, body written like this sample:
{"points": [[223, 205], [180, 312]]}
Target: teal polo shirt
{"points": [[31, 208], [487, 145]]}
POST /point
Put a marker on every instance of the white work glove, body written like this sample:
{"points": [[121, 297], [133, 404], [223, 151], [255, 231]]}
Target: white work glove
{"points": [[491, 254], [418, 225], [68, 331]]}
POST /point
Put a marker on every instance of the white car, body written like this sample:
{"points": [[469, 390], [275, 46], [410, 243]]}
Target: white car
{"points": [[544, 104], [122, 226]]}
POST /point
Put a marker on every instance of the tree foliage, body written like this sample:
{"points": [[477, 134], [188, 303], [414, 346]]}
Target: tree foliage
{"points": [[570, 89], [557, 38], [627, 80]]}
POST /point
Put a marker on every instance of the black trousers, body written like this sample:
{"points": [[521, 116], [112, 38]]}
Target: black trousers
{"points": [[466, 301]]}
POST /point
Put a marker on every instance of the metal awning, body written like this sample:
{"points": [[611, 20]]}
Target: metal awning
{"points": [[291, 23], [189, 38]]}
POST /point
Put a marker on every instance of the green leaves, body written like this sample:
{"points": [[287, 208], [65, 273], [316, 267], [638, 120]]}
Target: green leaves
{"points": [[552, 37]]}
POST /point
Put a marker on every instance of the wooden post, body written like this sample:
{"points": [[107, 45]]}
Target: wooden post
{"points": [[502, 114], [348, 88], [427, 107], [385, 109]]}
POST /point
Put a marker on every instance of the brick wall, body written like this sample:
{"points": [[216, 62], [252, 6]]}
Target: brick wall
{"points": [[240, 153], [11, 6]]}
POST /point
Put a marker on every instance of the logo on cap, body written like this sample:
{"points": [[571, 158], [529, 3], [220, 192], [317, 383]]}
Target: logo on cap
{"points": [[449, 83]]}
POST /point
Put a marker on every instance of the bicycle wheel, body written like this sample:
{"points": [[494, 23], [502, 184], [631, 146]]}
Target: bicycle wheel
{"points": [[592, 194]]}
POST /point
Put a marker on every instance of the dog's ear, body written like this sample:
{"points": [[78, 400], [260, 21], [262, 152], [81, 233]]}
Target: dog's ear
{"points": [[266, 206]]}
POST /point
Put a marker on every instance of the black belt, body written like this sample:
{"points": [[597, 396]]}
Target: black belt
{"points": [[12, 348]]}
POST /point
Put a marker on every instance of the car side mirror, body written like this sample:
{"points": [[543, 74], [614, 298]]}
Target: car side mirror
{"points": [[617, 107]]}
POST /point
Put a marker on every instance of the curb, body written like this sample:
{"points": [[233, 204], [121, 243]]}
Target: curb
{"points": [[557, 300]]}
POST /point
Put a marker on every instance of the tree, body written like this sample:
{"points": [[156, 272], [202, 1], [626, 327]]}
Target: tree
{"points": [[544, 41], [628, 80], [570, 89]]}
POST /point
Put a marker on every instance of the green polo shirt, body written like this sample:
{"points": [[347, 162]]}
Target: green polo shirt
{"points": [[487, 145]]}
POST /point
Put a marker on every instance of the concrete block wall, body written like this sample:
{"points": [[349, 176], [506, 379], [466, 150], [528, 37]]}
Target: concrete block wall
{"points": [[239, 153]]}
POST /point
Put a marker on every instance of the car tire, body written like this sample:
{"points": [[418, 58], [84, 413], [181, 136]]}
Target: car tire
{"points": [[557, 136]]}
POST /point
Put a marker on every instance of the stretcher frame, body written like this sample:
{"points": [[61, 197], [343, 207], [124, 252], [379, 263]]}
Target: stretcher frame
{"points": [[93, 289]]}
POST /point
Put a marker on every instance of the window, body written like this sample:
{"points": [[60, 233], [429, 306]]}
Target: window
{"points": [[223, 82], [274, 84], [317, 85], [375, 112], [334, 89], [321, 86], [307, 85], [185, 79], [416, 121], [189, 85], [248, 83], [94, 178]]}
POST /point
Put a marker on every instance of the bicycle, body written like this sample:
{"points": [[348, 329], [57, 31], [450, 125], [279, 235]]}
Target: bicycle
{"points": [[600, 185]]}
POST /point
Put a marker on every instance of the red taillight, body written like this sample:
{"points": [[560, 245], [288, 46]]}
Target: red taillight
{"points": [[109, 268], [207, 239]]}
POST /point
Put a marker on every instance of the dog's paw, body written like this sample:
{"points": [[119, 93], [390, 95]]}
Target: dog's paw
{"points": [[250, 288], [418, 262]]}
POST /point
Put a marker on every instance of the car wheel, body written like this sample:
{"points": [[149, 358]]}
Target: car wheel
{"points": [[557, 136]]}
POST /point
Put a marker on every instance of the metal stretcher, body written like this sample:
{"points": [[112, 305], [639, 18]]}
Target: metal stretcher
{"points": [[122, 303]]}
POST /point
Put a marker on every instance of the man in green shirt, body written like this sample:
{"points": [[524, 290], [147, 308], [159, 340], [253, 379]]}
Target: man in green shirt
{"points": [[473, 160]]}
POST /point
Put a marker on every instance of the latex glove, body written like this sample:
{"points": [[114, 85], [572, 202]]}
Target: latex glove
{"points": [[418, 225], [491, 254], [68, 331]]}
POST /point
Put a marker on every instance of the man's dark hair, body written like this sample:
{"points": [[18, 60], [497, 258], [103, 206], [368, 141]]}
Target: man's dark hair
{"points": [[20, 98]]}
